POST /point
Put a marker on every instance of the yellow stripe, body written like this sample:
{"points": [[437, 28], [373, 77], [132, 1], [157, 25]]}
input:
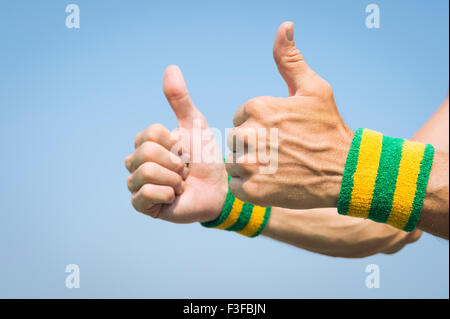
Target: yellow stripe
{"points": [[365, 174], [255, 221], [405, 189], [234, 214]]}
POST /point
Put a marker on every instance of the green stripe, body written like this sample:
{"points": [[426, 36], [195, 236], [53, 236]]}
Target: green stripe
{"points": [[229, 201], [422, 181], [243, 219], [264, 223], [383, 194], [349, 170], [227, 206]]}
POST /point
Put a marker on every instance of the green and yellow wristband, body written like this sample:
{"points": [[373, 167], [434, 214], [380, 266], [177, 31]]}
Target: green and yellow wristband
{"points": [[244, 218], [385, 179]]}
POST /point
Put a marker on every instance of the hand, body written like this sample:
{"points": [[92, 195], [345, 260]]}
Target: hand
{"points": [[162, 185], [313, 140]]}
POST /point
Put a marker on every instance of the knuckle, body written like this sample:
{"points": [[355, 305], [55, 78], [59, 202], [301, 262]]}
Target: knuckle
{"points": [[239, 141], [293, 56], [154, 131], [236, 118], [181, 167], [130, 182], [137, 139], [148, 169], [174, 161], [153, 211], [146, 191], [249, 134], [134, 202], [179, 164], [148, 148], [253, 105], [169, 195]]}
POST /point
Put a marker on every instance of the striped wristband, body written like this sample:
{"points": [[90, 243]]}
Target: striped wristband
{"points": [[385, 179], [244, 218]]}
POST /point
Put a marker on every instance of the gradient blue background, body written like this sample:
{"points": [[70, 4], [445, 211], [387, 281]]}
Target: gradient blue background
{"points": [[71, 102]]}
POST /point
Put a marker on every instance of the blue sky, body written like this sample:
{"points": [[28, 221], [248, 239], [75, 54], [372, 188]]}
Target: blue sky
{"points": [[71, 102]]}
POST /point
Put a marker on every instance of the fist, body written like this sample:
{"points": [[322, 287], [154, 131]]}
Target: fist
{"points": [[162, 184], [310, 142]]}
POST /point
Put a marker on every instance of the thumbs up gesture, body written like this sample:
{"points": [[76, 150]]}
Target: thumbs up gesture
{"points": [[312, 139], [162, 184]]}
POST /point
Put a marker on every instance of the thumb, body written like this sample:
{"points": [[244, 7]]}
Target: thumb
{"points": [[289, 60], [178, 97]]}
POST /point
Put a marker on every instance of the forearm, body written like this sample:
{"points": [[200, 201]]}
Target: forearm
{"points": [[324, 231], [320, 162], [395, 181], [434, 216]]}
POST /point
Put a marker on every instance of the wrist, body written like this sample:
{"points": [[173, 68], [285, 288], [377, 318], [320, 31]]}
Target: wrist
{"points": [[244, 218], [217, 203], [333, 187], [385, 179], [222, 197]]}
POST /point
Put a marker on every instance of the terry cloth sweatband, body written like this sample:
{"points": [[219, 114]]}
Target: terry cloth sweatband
{"points": [[244, 218], [385, 179]]}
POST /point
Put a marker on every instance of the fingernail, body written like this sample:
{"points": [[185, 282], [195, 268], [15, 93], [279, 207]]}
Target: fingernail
{"points": [[290, 32]]}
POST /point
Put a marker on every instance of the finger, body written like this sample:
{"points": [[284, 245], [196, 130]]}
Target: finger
{"points": [[252, 108], [242, 139], [178, 97], [154, 211], [232, 140], [233, 167], [289, 60], [150, 195], [152, 173], [152, 152], [240, 116], [155, 133]]}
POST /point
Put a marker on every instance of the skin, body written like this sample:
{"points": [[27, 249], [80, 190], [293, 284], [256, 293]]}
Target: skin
{"points": [[326, 232], [310, 168], [163, 187], [158, 181], [434, 216]]}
